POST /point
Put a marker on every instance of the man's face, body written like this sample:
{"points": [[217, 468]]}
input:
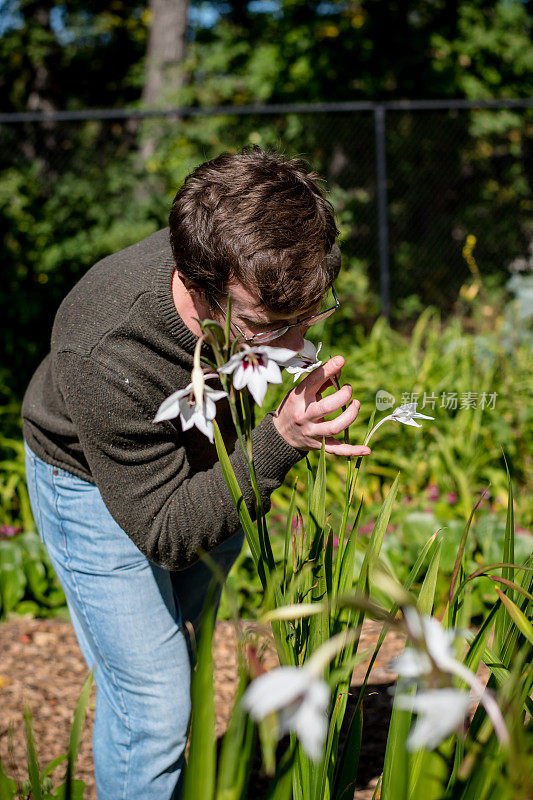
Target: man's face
{"points": [[253, 318]]}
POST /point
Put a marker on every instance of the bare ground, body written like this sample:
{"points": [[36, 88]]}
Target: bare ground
{"points": [[41, 664]]}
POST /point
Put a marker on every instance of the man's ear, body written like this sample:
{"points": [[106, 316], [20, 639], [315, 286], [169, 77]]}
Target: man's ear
{"points": [[189, 284]]}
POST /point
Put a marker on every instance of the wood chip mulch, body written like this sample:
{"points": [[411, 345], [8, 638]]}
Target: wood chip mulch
{"points": [[41, 665]]}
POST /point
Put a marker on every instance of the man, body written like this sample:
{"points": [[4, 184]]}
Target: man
{"points": [[125, 506]]}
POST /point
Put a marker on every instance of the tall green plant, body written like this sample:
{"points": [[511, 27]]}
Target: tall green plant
{"points": [[39, 784]]}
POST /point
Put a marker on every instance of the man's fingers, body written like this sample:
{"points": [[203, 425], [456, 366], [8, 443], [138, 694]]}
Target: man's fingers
{"points": [[331, 403], [340, 449], [335, 426], [314, 383]]}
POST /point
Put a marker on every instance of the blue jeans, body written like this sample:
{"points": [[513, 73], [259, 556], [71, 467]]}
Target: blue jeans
{"points": [[128, 614]]}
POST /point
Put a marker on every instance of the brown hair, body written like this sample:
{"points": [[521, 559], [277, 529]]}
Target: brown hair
{"points": [[258, 218]]}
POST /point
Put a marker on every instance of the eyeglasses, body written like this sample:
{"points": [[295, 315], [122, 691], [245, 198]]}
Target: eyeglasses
{"points": [[269, 336]]}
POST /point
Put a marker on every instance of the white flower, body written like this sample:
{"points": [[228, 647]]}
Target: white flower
{"points": [[301, 700], [195, 405], [407, 414], [411, 664], [256, 367], [438, 642], [305, 361], [440, 713], [434, 650]]}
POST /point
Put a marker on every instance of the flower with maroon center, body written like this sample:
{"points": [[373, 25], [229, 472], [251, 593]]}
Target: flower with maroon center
{"points": [[256, 367], [192, 408], [305, 361]]}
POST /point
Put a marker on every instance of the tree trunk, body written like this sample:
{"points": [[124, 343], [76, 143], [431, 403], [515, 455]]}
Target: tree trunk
{"points": [[41, 144], [166, 49]]}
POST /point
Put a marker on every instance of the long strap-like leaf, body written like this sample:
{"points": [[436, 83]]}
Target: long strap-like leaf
{"points": [[33, 766], [201, 766]]}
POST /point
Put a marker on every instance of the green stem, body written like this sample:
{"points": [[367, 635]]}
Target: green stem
{"points": [[346, 430]]}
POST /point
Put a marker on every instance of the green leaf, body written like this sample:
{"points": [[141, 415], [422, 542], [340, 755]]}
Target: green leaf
{"points": [[288, 533], [346, 576], [8, 787], [363, 584], [27, 608], [460, 552], [349, 494], [376, 539], [74, 791], [234, 771], [517, 616], [318, 498], [396, 767], [502, 625], [328, 560], [33, 765], [431, 543], [349, 762], [12, 586], [75, 736], [201, 766], [32, 546], [261, 558], [318, 623], [236, 495], [508, 545], [281, 786], [52, 765], [10, 554], [426, 595], [227, 325], [36, 576], [516, 587]]}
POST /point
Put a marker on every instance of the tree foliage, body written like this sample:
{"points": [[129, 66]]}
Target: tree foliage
{"points": [[71, 193]]}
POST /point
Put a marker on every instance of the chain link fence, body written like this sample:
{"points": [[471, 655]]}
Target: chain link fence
{"points": [[409, 182]]}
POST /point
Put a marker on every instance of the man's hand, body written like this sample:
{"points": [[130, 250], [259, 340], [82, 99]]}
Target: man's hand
{"points": [[300, 417]]}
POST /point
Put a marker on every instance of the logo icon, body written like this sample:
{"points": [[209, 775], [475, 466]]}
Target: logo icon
{"points": [[384, 400]]}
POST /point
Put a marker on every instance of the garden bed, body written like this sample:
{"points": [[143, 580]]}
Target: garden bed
{"points": [[42, 664]]}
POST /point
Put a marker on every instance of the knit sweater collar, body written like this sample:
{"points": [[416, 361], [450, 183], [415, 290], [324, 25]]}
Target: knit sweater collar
{"points": [[165, 302]]}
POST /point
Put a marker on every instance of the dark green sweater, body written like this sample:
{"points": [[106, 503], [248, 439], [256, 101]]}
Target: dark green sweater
{"points": [[118, 349]]}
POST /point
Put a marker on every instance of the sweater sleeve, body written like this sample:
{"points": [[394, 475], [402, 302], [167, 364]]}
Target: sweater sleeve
{"points": [[142, 472]]}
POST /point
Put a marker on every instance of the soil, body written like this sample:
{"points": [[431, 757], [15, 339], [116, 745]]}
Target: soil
{"points": [[41, 665]]}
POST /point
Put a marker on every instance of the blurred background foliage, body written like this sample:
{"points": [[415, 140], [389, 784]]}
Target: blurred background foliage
{"points": [[72, 192]]}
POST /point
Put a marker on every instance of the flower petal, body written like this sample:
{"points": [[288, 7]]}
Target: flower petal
{"points": [[205, 426], [311, 720], [439, 642], [278, 354], [271, 372], [170, 407], [274, 690], [240, 377], [404, 412], [411, 664], [232, 364], [187, 417], [440, 712], [215, 394], [210, 409], [257, 384]]}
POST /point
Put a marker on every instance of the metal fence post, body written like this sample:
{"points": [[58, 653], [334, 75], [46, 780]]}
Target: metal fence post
{"points": [[381, 196]]}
